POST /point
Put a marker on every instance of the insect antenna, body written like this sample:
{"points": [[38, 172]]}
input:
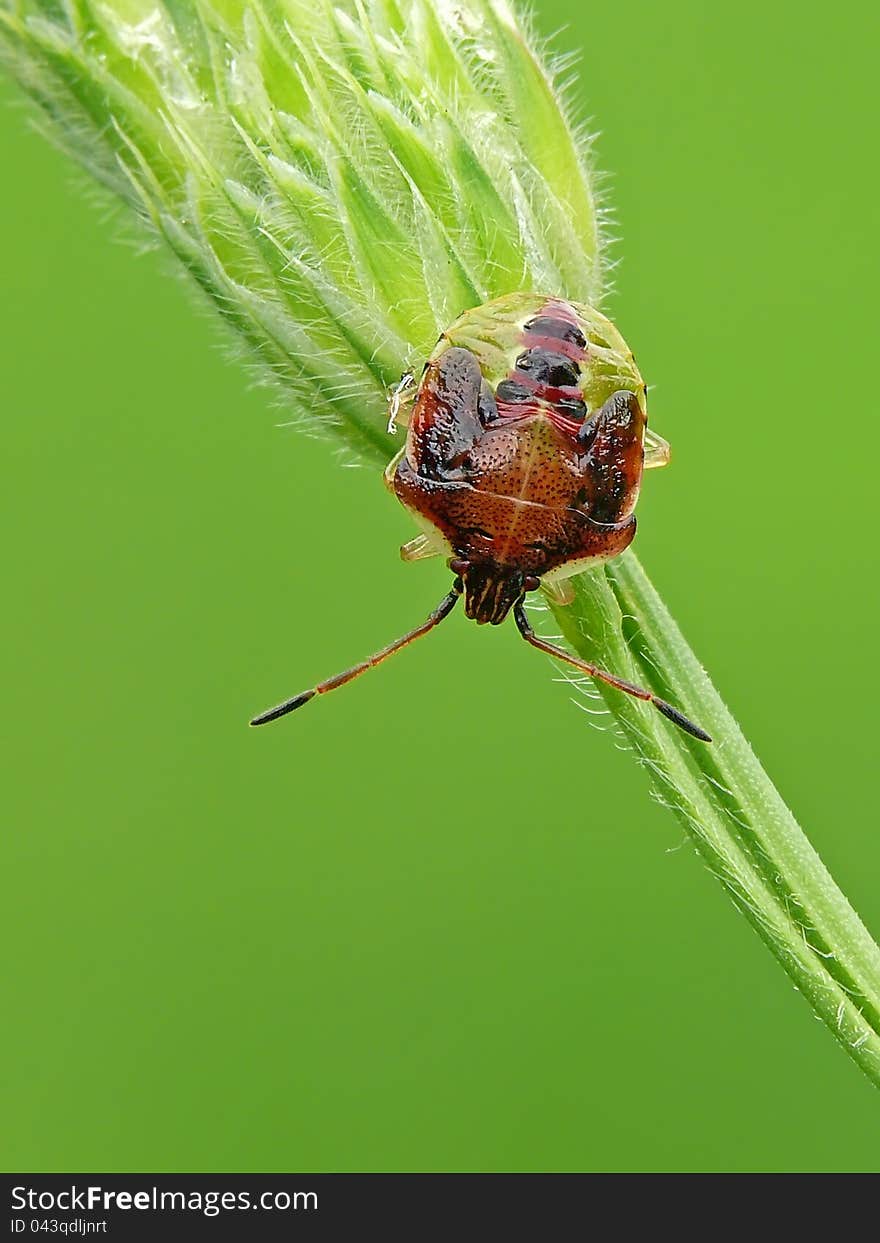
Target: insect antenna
{"points": [[443, 609], [672, 714]]}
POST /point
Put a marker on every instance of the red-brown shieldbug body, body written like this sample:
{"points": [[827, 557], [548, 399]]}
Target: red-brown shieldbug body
{"points": [[522, 464]]}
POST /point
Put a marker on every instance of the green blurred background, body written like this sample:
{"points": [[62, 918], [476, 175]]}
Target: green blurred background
{"points": [[437, 922]]}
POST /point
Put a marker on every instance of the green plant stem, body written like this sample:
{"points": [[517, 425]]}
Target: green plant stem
{"points": [[341, 181], [728, 805]]}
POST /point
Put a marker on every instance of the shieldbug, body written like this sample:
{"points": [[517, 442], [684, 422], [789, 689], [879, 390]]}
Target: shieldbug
{"points": [[522, 464]]}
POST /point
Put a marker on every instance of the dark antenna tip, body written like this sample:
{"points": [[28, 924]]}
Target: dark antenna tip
{"points": [[289, 705], [679, 719], [443, 609]]}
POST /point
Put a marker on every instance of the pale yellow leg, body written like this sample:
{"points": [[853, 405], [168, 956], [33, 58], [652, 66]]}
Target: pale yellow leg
{"points": [[560, 592], [657, 451], [401, 398], [418, 549]]}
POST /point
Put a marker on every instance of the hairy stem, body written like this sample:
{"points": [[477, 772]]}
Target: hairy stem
{"points": [[727, 803]]}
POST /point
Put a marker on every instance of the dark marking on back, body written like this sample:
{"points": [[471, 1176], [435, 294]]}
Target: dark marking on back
{"points": [[548, 368], [486, 405], [560, 329], [510, 391], [572, 409], [446, 418]]}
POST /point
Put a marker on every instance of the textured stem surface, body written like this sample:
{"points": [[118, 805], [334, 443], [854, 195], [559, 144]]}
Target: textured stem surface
{"points": [[729, 806]]}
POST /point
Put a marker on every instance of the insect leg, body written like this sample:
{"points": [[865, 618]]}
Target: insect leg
{"points": [[559, 592], [671, 713], [443, 609], [418, 549], [399, 395], [657, 450]]}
